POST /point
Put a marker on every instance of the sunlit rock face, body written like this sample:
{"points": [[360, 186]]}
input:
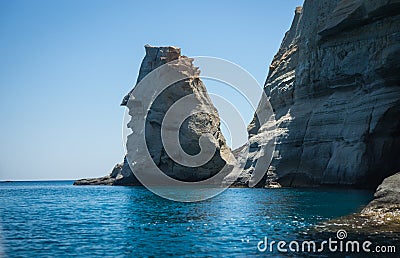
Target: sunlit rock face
{"points": [[203, 122], [335, 88], [148, 109]]}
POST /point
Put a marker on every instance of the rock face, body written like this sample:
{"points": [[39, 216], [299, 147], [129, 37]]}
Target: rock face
{"points": [[384, 210], [387, 197], [335, 88], [203, 124]]}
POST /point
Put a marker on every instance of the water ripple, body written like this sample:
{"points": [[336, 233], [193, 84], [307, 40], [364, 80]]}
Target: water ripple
{"points": [[48, 219]]}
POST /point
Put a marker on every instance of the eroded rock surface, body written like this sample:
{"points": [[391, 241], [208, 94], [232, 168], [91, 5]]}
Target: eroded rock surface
{"points": [[147, 121], [335, 88], [387, 197]]}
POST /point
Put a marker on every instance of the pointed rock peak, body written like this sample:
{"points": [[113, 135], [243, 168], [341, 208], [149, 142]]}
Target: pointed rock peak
{"points": [[166, 53], [154, 58]]}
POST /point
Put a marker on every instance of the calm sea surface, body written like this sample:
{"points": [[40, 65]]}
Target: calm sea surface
{"points": [[54, 218]]}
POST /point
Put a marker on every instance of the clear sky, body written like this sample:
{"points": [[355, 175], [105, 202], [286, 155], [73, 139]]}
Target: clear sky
{"points": [[66, 65]]}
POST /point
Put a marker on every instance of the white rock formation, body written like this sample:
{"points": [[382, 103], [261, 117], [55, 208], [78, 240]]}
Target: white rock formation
{"points": [[169, 106]]}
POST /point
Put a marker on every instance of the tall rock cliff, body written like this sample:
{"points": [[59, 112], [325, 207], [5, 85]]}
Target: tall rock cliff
{"points": [[148, 107], [335, 88]]}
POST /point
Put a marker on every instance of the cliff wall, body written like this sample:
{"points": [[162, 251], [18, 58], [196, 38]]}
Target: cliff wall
{"points": [[335, 88]]}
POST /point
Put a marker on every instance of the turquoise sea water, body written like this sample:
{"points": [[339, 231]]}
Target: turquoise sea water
{"points": [[55, 219]]}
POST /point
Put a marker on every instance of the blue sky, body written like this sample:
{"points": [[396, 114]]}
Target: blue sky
{"points": [[65, 66]]}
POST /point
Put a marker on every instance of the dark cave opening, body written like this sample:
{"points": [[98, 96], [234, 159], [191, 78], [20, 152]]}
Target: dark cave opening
{"points": [[383, 148]]}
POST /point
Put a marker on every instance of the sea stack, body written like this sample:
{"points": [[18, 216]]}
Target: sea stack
{"points": [[146, 121]]}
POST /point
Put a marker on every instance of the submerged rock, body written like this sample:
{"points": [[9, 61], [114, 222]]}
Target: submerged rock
{"points": [[335, 88]]}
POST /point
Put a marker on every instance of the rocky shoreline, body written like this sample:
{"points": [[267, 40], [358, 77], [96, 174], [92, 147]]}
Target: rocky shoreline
{"points": [[121, 174], [380, 217]]}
